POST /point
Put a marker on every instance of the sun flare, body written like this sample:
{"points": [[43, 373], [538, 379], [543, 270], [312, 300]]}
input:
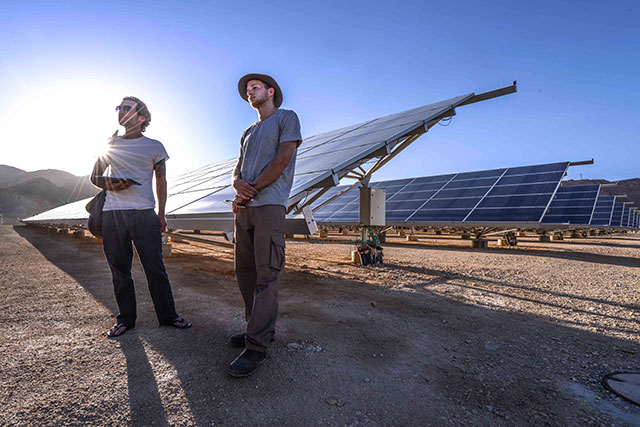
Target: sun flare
{"points": [[60, 126]]}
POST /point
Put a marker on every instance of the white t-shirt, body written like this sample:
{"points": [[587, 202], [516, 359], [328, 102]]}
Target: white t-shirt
{"points": [[135, 159]]}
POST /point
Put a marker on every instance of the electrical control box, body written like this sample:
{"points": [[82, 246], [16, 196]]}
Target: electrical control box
{"points": [[372, 206]]}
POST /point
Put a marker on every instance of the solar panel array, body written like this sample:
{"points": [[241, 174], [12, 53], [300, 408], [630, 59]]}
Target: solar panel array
{"points": [[518, 195], [603, 211], [632, 218], [321, 160], [71, 212], [572, 204], [616, 216]]}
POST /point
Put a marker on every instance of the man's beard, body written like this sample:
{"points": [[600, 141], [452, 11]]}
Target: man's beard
{"points": [[258, 102]]}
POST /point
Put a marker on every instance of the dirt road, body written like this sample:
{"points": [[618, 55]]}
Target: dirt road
{"points": [[440, 335]]}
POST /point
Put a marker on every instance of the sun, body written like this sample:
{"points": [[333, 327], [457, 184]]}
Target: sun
{"points": [[63, 126]]}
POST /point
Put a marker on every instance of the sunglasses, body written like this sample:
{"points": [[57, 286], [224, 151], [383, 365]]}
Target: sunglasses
{"points": [[124, 108]]}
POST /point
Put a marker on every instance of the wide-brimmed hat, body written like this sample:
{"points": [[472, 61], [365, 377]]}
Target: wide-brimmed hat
{"points": [[242, 86]]}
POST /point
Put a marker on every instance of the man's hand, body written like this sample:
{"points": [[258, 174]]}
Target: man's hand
{"points": [[163, 222], [118, 186], [244, 190], [236, 202]]}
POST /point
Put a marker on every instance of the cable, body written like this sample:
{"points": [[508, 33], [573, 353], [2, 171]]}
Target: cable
{"points": [[446, 121]]}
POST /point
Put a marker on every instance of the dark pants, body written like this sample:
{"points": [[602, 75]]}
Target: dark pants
{"points": [[119, 229], [259, 258]]}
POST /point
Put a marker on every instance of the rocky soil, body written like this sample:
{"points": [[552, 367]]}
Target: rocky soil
{"points": [[440, 335]]}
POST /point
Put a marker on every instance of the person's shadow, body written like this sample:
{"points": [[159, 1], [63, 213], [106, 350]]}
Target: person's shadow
{"points": [[180, 355]]}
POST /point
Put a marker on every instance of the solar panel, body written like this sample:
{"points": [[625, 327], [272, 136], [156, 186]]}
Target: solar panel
{"points": [[603, 210], [521, 195], [515, 195], [572, 205], [71, 213], [321, 161], [616, 217], [625, 216]]}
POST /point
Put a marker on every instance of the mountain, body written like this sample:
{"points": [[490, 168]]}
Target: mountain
{"points": [[9, 173], [23, 194]]}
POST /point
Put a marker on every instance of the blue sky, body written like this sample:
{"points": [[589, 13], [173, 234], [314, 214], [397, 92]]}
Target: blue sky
{"points": [[65, 65]]}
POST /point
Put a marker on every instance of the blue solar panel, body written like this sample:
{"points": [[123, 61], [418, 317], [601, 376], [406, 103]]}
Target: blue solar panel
{"points": [[520, 214], [603, 210], [616, 217], [572, 205], [625, 216], [471, 183], [462, 192], [549, 167], [466, 203], [538, 177], [535, 200], [499, 195], [441, 215], [494, 173], [438, 178], [529, 203], [534, 188]]}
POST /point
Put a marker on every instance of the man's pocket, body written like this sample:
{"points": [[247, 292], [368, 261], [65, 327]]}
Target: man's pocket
{"points": [[277, 251]]}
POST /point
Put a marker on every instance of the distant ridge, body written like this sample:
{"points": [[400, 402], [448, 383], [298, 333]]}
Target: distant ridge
{"points": [[23, 194]]}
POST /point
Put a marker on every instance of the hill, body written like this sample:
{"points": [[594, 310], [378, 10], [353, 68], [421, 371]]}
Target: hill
{"points": [[23, 194]]}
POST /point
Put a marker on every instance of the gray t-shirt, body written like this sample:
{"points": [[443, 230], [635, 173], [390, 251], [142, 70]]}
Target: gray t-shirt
{"points": [[259, 145], [133, 158]]}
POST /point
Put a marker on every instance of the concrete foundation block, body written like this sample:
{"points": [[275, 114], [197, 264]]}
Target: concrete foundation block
{"points": [[502, 242], [480, 244], [356, 258]]}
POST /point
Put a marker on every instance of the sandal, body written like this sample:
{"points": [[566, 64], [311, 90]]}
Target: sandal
{"points": [[180, 323], [116, 330]]}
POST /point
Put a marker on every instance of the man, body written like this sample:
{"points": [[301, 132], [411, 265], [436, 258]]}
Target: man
{"points": [[262, 179], [128, 216]]}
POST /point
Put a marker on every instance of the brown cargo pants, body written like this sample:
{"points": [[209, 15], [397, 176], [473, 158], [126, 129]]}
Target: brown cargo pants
{"points": [[259, 258]]}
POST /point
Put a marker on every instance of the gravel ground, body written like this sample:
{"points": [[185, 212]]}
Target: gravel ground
{"points": [[439, 335]]}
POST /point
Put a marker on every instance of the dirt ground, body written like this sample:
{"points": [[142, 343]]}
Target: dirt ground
{"points": [[440, 335]]}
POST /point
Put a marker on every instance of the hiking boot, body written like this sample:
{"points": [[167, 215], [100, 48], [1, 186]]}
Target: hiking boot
{"points": [[237, 340], [247, 363]]}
